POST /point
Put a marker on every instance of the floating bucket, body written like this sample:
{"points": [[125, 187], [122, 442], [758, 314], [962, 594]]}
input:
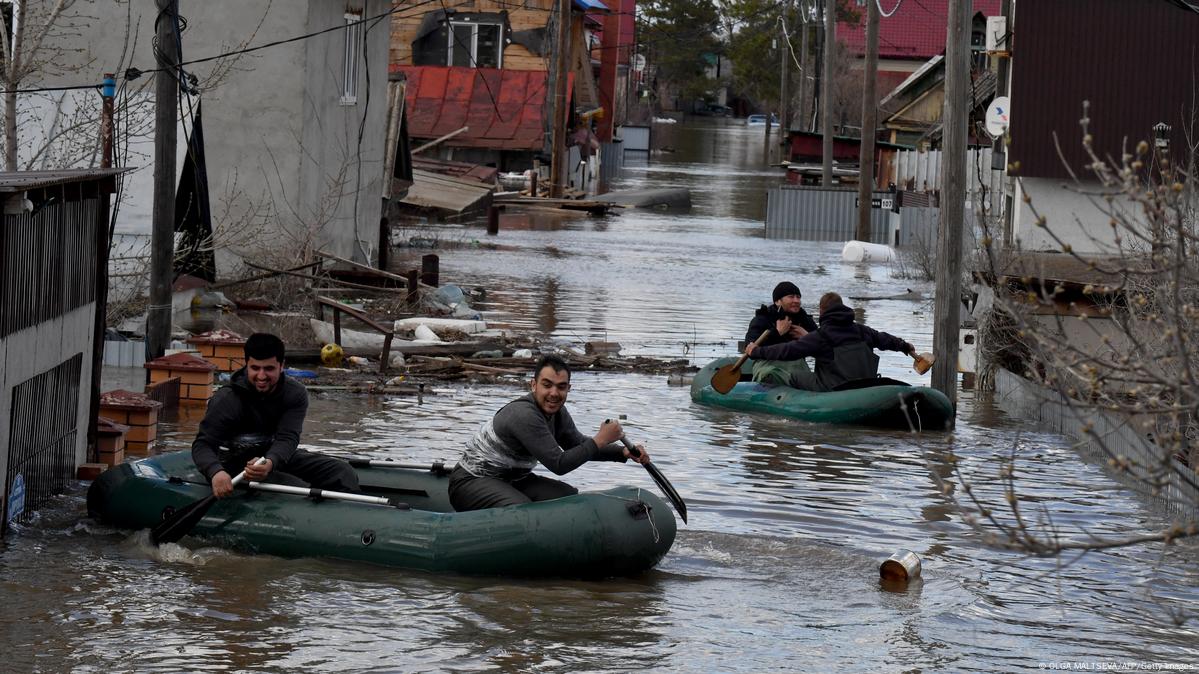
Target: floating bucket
{"points": [[901, 567]]}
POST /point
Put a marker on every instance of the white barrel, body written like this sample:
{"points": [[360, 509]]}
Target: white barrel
{"points": [[861, 251]]}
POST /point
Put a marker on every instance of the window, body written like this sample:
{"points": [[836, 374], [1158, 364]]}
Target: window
{"points": [[475, 45], [349, 79]]}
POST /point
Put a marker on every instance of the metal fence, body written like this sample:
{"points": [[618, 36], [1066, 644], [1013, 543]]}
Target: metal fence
{"points": [[42, 437], [820, 214], [49, 263]]}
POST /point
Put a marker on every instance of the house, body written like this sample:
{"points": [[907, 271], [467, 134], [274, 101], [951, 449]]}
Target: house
{"points": [[1132, 84], [807, 148], [911, 112], [480, 70], [912, 35], [294, 114], [52, 267]]}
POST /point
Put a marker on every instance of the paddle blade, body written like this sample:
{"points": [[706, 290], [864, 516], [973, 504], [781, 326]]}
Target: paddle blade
{"points": [[668, 489], [181, 522], [726, 378], [923, 362]]}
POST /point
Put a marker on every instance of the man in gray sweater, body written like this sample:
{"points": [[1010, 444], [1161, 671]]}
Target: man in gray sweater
{"points": [[497, 467], [261, 414]]}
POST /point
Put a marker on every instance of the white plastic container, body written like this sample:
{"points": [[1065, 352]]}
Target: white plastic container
{"points": [[861, 251]]}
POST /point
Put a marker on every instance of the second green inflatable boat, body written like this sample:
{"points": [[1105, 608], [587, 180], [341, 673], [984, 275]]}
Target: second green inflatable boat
{"points": [[890, 404], [620, 531]]}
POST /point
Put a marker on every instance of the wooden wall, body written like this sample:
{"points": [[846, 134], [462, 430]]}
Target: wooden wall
{"points": [[522, 15]]}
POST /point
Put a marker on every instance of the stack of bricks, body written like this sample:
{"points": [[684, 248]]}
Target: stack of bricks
{"points": [[110, 441], [196, 376], [222, 348], [137, 414]]}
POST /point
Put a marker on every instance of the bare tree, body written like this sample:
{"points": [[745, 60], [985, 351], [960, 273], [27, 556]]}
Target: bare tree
{"points": [[1117, 350]]}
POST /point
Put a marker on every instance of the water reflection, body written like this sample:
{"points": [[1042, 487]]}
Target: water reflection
{"points": [[778, 569]]}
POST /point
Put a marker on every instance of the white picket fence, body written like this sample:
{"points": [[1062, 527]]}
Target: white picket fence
{"points": [[922, 172]]}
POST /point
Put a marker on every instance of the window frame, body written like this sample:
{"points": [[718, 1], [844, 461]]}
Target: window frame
{"points": [[350, 57], [474, 43]]}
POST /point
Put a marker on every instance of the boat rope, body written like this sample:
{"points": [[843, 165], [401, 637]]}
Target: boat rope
{"points": [[648, 511], [649, 516]]}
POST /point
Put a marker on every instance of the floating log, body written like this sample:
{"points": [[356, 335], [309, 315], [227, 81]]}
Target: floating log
{"points": [[601, 348]]}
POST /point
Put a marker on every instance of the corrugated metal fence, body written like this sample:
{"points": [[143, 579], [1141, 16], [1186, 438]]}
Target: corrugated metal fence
{"points": [[1051, 410], [42, 441], [820, 214]]}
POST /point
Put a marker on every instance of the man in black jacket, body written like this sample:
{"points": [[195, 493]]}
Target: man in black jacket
{"points": [[843, 350], [261, 414], [786, 321]]}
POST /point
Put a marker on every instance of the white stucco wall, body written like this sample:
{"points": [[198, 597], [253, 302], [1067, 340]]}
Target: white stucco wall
{"points": [[284, 157], [1070, 213]]}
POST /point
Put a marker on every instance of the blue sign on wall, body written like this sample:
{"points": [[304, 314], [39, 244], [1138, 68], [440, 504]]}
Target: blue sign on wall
{"points": [[16, 498]]}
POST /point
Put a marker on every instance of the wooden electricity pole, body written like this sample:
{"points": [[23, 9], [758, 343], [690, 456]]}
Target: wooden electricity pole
{"points": [[826, 91], [947, 306], [162, 239], [784, 112], [561, 96], [869, 121]]}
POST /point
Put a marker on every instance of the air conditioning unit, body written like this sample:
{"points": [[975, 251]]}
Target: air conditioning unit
{"points": [[997, 33]]}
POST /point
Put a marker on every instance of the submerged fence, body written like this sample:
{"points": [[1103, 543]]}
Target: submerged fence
{"points": [[823, 214]]}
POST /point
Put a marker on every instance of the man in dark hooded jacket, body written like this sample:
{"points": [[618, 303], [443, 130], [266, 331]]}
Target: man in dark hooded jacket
{"points": [[261, 414], [785, 321], [843, 350]]}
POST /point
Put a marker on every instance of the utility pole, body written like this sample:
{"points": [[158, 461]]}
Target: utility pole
{"points": [[948, 302], [826, 91], [162, 240], [801, 108], [103, 243], [1001, 89], [869, 121], [561, 96], [784, 67]]}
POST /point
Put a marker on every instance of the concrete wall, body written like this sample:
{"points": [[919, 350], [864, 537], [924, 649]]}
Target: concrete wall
{"points": [[284, 158]]}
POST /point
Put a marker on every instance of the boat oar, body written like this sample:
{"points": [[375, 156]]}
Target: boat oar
{"points": [[724, 379], [663, 483], [437, 467], [183, 520], [318, 494]]}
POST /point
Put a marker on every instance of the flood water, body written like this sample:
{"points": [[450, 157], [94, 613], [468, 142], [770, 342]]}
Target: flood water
{"points": [[778, 568]]}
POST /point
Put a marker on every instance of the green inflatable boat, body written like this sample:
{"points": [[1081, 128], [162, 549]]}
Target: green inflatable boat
{"points": [[889, 404], [617, 532]]}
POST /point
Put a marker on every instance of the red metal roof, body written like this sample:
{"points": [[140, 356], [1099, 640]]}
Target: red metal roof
{"points": [[505, 109], [915, 31]]}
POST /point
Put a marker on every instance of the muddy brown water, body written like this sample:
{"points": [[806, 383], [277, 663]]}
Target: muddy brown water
{"points": [[778, 570]]}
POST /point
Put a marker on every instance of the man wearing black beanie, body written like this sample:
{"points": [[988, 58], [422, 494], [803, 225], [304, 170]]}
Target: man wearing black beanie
{"points": [[785, 320]]}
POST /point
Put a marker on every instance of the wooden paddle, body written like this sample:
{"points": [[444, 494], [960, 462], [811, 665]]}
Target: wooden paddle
{"points": [[724, 379], [182, 521]]}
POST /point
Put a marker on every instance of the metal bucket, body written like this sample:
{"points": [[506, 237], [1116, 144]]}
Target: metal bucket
{"points": [[901, 567]]}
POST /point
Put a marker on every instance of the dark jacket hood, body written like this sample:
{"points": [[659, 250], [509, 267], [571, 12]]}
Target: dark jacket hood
{"points": [[838, 314]]}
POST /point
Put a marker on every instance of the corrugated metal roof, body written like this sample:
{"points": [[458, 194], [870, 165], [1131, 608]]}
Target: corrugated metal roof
{"points": [[915, 31], [20, 181], [504, 109]]}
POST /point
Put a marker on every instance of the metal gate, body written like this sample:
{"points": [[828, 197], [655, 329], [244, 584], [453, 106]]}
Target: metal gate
{"points": [[41, 441]]}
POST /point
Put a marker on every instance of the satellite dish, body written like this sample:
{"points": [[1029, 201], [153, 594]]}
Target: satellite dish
{"points": [[998, 116]]}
